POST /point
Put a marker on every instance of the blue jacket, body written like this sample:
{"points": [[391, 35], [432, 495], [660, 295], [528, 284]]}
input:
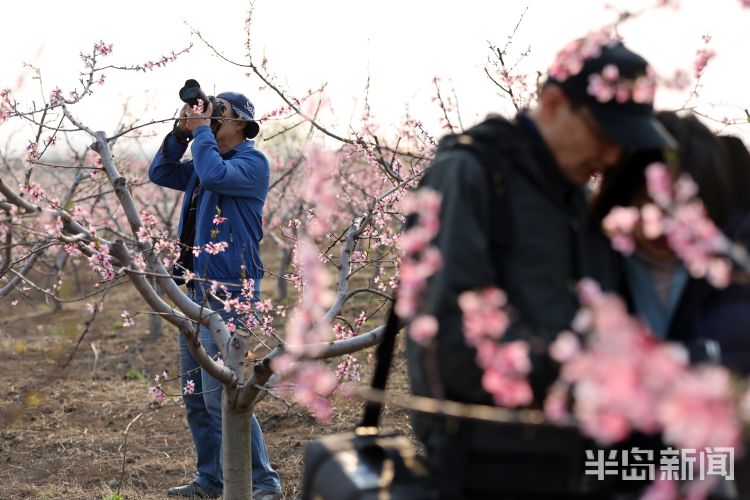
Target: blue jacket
{"points": [[237, 184]]}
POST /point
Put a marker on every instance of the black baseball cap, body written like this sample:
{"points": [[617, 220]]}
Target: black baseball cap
{"points": [[618, 86]]}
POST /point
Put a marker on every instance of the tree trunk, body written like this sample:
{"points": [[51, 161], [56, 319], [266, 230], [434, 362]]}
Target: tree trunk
{"points": [[236, 431], [236, 426]]}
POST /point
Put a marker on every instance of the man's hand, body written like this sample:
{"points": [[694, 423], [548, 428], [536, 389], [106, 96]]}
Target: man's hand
{"points": [[182, 120], [195, 120]]}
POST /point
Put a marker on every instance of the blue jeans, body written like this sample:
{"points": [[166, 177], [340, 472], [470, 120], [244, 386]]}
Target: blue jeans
{"points": [[204, 419]]}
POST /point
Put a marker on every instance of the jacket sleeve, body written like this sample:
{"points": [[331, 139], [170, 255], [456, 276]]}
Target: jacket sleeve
{"points": [[463, 242], [166, 169], [245, 174]]}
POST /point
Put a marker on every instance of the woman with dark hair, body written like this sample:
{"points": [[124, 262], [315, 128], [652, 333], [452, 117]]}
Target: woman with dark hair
{"points": [[711, 322]]}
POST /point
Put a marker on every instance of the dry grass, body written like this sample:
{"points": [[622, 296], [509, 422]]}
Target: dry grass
{"points": [[61, 430]]}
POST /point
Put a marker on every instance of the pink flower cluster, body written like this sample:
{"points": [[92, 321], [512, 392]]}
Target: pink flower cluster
{"points": [[55, 97], [102, 49], [679, 216], [571, 58], [157, 393], [313, 384], [625, 379], [702, 56], [505, 365], [609, 85], [101, 262], [690, 232], [419, 260], [32, 153], [163, 60], [212, 248], [127, 319], [189, 388], [305, 326], [619, 224], [33, 192]]}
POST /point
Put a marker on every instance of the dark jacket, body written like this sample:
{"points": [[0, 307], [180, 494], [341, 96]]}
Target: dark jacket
{"points": [[527, 235], [234, 183], [705, 313]]}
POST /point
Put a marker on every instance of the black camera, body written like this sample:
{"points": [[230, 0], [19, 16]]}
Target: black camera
{"points": [[192, 92]]}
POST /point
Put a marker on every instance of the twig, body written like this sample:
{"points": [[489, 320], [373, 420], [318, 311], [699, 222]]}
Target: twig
{"points": [[125, 450]]}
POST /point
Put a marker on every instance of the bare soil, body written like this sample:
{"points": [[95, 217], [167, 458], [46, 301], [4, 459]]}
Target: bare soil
{"points": [[62, 429]]}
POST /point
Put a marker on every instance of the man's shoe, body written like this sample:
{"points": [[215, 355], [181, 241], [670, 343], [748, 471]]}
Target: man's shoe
{"points": [[192, 490], [266, 495]]}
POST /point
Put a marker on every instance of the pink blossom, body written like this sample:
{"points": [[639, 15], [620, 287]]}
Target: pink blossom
{"points": [[55, 97], [219, 220], [685, 188], [127, 319], [139, 262], [659, 184], [698, 411], [508, 392], [621, 220], [702, 56], [148, 219], [157, 394], [189, 388], [101, 262], [216, 248], [423, 328], [483, 315], [102, 48], [34, 192], [198, 108], [610, 72], [601, 89], [565, 347]]}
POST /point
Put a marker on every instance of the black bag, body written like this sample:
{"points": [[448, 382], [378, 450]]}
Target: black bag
{"points": [[366, 464]]}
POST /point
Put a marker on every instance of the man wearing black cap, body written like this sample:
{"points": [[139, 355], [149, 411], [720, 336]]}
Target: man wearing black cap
{"points": [[513, 216], [225, 187]]}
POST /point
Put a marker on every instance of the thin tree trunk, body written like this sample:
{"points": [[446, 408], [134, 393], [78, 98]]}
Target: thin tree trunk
{"points": [[236, 433], [236, 427]]}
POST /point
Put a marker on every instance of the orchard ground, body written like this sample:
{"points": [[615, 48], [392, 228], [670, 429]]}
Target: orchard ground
{"points": [[62, 429]]}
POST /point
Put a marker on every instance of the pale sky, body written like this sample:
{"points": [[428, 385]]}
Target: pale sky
{"points": [[401, 44]]}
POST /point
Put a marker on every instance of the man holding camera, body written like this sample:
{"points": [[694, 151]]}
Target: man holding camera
{"points": [[514, 216], [225, 187]]}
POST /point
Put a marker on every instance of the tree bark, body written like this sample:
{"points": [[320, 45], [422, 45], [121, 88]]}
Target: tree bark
{"points": [[155, 323], [236, 428]]}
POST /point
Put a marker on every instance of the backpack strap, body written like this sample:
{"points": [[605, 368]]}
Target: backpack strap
{"points": [[492, 142]]}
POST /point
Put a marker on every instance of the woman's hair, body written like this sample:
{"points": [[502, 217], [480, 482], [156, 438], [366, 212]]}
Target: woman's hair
{"points": [[701, 154]]}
